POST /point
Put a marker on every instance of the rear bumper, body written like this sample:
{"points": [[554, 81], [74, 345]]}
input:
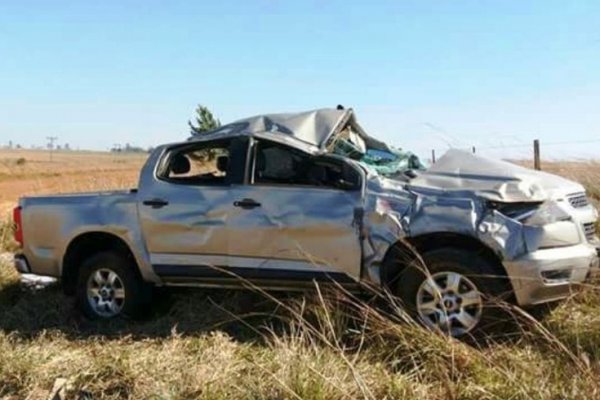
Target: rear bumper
{"points": [[21, 264], [551, 274]]}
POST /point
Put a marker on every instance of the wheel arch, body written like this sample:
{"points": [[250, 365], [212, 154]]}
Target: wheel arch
{"points": [[85, 245], [404, 251]]}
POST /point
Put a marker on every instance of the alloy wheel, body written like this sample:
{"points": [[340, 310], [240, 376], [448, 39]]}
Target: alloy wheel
{"points": [[105, 293], [450, 302]]}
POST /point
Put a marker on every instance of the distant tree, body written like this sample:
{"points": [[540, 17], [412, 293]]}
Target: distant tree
{"points": [[205, 121], [129, 148]]}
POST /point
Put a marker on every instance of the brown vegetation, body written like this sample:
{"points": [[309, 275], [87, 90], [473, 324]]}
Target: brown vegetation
{"points": [[29, 172]]}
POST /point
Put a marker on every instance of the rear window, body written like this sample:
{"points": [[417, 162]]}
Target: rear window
{"points": [[202, 164]]}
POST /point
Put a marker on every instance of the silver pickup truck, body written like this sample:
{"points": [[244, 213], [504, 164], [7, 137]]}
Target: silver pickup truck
{"points": [[285, 200]]}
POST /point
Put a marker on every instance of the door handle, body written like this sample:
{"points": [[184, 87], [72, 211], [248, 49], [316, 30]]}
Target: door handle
{"points": [[155, 203], [246, 204]]}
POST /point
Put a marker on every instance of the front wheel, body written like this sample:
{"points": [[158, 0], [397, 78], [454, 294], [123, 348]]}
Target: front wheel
{"points": [[108, 287], [455, 292]]}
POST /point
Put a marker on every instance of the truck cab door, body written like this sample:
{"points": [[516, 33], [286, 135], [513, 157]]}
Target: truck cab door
{"points": [[308, 218], [187, 203]]}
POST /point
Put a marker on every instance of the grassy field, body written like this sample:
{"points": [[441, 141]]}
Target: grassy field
{"points": [[27, 172], [254, 345]]}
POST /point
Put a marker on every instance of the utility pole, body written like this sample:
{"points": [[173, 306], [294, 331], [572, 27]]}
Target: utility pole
{"points": [[116, 149], [51, 140], [536, 155]]}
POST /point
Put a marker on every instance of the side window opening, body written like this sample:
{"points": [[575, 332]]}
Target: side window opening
{"points": [[200, 164], [280, 165]]}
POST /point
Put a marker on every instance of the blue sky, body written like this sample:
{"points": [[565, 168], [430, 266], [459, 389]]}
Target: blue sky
{"points": [[420, 74]]}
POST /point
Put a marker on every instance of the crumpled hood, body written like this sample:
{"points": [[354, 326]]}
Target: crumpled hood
{"points": [[460, 171]]}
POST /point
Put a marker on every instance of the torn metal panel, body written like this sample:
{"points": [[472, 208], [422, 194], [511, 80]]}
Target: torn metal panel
{"points": [[444, 214], [502, 234], [396, 214], [311, 127], [320, 129], [494, 180], [386, 205]]}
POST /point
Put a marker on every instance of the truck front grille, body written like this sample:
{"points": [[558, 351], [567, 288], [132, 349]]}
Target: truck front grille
{"points": [[590, 231], [578, 200]]}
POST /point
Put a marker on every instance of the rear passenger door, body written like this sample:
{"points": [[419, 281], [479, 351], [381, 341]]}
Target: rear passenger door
{"points": [[186, 207], [301, 215]]}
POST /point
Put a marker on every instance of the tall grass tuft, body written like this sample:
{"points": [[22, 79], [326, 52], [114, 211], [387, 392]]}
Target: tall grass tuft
{"points": [[7, 242]]}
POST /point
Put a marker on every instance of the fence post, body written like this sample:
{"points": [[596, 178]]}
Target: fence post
{"points": [[433, 156], [536, 155]]}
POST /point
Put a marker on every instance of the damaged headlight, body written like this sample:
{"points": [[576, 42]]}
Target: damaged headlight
{"points": [[535, 214]]}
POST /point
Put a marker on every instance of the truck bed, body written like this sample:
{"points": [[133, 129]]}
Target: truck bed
{"points": [[49, 223]]}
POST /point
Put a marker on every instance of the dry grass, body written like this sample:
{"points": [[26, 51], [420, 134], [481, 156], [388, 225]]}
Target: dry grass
{"points": [[250, 344], [222, 345], [29, 172]]}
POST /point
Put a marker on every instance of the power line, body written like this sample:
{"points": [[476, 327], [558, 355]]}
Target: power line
{"points": [[51, 140], [544, 143]]}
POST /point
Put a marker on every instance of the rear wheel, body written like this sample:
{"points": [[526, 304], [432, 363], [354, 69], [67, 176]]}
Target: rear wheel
{"points": [[456, 293], [108, 286]]}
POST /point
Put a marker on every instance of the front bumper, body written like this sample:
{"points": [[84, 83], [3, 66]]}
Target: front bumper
{"points": [[551, 274]]}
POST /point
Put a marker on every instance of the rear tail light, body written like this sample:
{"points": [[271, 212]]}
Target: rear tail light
{"points": [[18, 225]]}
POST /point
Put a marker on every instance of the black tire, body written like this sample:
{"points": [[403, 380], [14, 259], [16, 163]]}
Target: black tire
{"points": [[488, 278], [136, 295], [541, 311]]}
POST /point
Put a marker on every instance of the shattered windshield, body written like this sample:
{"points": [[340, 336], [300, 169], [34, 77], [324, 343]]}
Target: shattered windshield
{"points": [[385, 160], [392, 163]]}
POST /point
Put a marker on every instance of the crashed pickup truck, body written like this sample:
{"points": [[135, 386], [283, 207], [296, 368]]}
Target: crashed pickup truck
{"points": [[284, 200]]}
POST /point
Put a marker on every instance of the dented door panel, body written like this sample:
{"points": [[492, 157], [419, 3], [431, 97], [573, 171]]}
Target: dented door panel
{"points": [[313, 225], [194, 221]]}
